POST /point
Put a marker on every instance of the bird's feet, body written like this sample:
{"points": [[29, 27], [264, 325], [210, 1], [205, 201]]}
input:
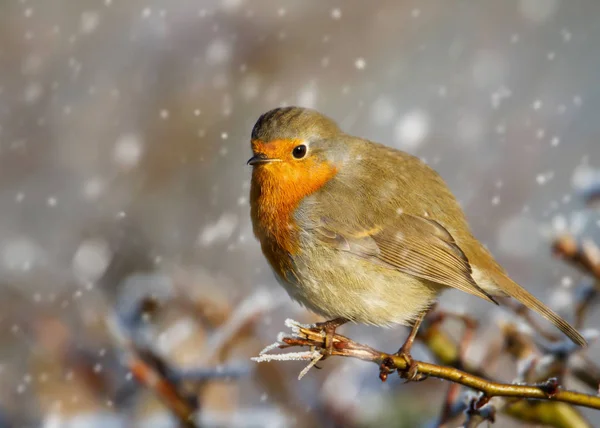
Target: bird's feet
{"points": [[411, 372], [329, 327]]}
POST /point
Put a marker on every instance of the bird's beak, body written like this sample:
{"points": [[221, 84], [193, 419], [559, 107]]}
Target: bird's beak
{"points": [[258, 159]]}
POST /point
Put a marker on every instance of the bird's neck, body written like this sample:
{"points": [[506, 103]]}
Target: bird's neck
{"points": [[276, 192]]}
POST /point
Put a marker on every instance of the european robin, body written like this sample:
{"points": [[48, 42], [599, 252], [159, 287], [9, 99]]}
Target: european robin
{"points": [[357, 231]]}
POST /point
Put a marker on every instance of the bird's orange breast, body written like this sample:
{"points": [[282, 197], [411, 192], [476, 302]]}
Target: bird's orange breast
{"points": [[277, 190]]}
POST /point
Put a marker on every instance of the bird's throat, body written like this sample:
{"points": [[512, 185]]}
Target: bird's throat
{"points": [[277, 190]]}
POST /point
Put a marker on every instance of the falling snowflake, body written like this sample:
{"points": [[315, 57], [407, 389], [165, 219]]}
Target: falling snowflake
{"points": [[412, 129], [89, 21], [128, 150], [307, 96], [219, 231], [218, 52], [91, 259], [360, 63]]}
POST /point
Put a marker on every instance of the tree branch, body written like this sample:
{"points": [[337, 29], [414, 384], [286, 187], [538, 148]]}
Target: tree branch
{"points": [[150, 372], [584, 255], [308, 336], [547, 413]]}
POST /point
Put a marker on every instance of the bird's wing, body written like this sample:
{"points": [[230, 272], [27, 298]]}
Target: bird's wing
{"points": [[412, 244]]}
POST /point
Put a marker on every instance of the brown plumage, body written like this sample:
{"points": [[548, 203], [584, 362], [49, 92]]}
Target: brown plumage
{"points": [[358, 231]]}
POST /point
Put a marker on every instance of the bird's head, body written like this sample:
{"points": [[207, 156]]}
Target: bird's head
{"points": [[296, 147]]}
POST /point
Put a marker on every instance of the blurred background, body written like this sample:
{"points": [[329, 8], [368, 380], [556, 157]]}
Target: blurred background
{"points": [[124, 131]]}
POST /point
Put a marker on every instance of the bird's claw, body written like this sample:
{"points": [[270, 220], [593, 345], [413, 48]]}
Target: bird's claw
{"points": [[329, 331], [411, 372]]}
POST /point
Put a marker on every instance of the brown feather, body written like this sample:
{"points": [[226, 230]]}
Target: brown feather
{"points": [[516, 291], [413, 245]]}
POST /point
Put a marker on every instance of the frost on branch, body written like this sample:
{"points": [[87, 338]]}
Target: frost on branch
{"points": [[312, 355]]}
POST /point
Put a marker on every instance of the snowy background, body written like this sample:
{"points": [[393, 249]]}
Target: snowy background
{"points": [[124, 131]]}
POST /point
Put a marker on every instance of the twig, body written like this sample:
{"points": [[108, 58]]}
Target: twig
{"points": [[550, 413], [165, 390], [304, 336], [154, 378], [202, 375], [591, 194], [585, 370], [244, 314], [453, 393], [586, 255], [479, 411], [585, 296], [470, 325]]}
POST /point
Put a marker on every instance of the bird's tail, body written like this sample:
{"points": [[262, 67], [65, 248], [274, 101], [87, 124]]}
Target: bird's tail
{"points": [[516, 291]]}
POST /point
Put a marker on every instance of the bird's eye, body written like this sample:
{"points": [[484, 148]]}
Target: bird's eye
{"points": [[299, 151]]}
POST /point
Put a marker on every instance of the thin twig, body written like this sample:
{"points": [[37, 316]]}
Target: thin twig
{"points": [[556, 414], [585, 255], [453, 393], [304, 336], [164, 389], [153, 378], [478, 413], [586, 295]]}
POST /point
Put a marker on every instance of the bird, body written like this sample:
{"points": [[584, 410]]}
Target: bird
{"points": [[357, 231]]}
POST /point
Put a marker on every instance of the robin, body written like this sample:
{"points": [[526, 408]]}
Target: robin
{"points": [[357, 231]]}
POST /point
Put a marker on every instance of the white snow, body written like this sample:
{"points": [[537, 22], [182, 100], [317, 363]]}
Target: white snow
{"points": [[231, 5], [128, 150], [412, 129], [218, 52], [91, 260], [93, 188], [500, 95], [174, 336], [88, 22], [544, 177], [360, 63], [307, 96], [20, 253], [219, 231], [584, 176]]}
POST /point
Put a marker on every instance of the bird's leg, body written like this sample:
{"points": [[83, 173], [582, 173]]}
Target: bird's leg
{"points": [[411, 373], [329, 328]]}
